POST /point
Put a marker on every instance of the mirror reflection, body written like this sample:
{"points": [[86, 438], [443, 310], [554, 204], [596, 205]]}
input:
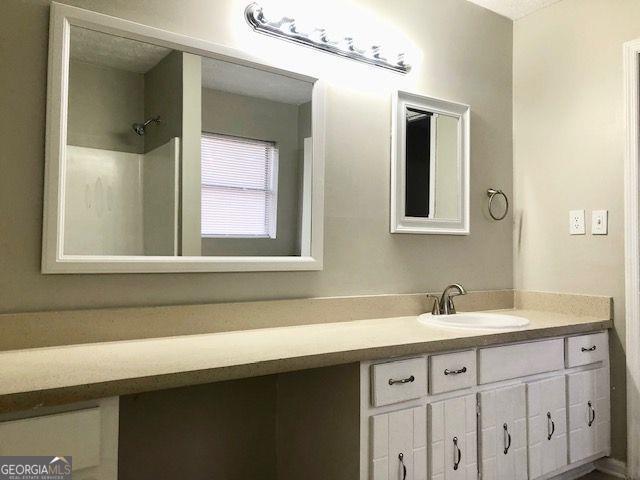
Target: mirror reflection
{"points": [[169, 153], [432, 167]]}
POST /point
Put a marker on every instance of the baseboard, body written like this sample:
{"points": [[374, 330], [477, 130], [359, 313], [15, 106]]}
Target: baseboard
{"points": [[575, 473], [612, 467]]}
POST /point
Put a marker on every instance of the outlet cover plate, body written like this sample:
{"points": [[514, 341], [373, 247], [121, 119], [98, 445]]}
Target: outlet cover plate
{"points": [[599, 222], [576, 222]]}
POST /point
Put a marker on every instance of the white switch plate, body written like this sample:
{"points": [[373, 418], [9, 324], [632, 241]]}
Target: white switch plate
{"points": [[599, 222], [576, 222]]}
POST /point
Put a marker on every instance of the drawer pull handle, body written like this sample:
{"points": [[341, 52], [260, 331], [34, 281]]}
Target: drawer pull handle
{"points": [[402, 380], [404, 467], [592, 414], [550, 431], [457, 454], [455, 372], [507, 438], [590, 349]]}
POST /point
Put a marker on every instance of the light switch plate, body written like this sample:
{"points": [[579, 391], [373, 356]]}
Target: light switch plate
{"points": [[576, 222], [599, 222]]}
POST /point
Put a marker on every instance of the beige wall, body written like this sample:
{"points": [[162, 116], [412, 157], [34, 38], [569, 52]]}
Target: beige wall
{"points": [[259, 119], [163, 97], [453, 40], [103, 103], [568, 145]]}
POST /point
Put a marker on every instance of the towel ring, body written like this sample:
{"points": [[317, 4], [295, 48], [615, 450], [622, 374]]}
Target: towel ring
{"points": [[491, 193]]}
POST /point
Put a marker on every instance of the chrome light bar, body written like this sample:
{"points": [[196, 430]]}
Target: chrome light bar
{"points": [[286, 28]]}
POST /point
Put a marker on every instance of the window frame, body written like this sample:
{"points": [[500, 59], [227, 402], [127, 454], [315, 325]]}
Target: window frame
{"points": [[274, 180]]}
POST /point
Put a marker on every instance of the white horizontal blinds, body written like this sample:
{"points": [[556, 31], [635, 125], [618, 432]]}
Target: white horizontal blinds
{"points": [[239, 186]]}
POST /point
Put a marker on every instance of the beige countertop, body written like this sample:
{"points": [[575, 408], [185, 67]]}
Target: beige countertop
{"points": [[54, 375]]}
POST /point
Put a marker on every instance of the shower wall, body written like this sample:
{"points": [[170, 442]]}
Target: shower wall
{"points": [[121, 203], [160, 199], [103, 203], [110, 168]]}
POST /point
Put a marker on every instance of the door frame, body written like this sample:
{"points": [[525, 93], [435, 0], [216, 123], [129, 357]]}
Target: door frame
{"points": [[632, 251]]}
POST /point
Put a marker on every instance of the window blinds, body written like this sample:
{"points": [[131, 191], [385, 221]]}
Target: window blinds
{"points": [[239, 186]]}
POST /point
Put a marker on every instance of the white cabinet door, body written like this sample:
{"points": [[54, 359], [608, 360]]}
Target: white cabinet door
{"points": [[453, 439], [589, 413], [546, 425], [503, 427], [399, 440], [88, 434]]}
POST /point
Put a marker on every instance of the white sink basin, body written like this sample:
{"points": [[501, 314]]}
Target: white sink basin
{"points": [[475, 321]]}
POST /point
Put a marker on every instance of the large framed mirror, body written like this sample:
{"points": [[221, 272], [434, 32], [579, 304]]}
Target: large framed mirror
{"points": [[429, 165], [169, 154]]}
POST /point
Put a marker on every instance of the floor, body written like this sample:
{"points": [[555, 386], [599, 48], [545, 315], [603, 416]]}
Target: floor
{"points": [[598, 476]]}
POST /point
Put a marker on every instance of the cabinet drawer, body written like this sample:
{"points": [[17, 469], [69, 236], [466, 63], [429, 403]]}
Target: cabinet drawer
{"points": [[398, 381], [587, 349], [452, 371], [513, 361], [73, 433]]}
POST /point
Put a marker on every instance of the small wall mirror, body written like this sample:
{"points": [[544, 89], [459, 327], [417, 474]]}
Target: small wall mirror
{"points": [[168, 154], [430, 166]]}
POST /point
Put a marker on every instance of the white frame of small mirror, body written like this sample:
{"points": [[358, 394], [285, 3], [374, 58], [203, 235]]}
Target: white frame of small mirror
{"points": [[63, 17], [400, 223]]}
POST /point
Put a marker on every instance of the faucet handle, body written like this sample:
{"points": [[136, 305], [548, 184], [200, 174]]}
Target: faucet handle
{"points": [[435, 310]]}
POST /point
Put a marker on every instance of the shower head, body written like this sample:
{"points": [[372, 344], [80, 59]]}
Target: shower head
{"points": [[138, 128], [141, 128]]}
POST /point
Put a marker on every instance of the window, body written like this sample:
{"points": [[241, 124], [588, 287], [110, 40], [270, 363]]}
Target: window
{"points": [[239, 187]]}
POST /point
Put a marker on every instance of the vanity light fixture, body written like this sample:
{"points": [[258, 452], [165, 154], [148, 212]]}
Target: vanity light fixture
{"points": [[319, 38]]}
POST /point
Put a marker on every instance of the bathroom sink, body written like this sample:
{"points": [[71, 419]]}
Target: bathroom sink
{"points": [[475, 321]]}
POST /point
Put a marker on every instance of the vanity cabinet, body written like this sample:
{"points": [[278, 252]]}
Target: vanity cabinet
{"points": [[452, 439], [399, 441], [589, 413], [86, 433], [503, 437], [546, 425], [523, 411]]}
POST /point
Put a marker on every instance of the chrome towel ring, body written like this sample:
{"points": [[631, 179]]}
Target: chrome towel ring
{"points": [[491, 193]]}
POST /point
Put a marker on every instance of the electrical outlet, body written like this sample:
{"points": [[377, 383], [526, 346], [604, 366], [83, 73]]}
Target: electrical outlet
{"points": [[599, 222], [576, 222]]}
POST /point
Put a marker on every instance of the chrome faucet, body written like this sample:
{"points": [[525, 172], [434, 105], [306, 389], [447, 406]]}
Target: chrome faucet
{"points": [[444, 305]]}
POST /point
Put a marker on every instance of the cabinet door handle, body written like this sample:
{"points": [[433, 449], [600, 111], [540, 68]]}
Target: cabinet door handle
{"points": [[404, 467], [455, 372], [592, 413], [507, 438], [401, 380], [590, 349], [550, 431], [457, 454]]}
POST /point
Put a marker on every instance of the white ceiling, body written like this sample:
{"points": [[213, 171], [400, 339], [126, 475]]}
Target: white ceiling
{"points": [[133, 56], [115, 52], [514, 9]]}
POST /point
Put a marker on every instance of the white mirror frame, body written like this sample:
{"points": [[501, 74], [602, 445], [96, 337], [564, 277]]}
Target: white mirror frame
{"points": [[400, 223], [63, 17]]}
